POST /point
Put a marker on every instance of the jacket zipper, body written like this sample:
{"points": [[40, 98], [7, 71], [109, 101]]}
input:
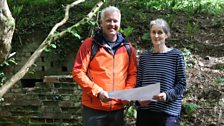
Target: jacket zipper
{"points": [[113, 78]]}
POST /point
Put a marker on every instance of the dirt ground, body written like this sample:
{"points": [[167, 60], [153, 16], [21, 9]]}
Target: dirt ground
{"points": [[204, 37]]}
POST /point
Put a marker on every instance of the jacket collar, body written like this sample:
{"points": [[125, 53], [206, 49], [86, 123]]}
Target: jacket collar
{"points": [[99, 38]]}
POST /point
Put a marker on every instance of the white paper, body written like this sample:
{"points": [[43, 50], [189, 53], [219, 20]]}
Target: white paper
{"points": [[141, 93]]}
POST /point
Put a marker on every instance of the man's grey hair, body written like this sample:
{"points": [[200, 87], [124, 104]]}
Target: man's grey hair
{"points": [[109, 9]]}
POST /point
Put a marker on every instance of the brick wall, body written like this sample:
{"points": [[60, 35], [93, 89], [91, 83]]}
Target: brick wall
{"points": [[54, 101], [54, 62]]}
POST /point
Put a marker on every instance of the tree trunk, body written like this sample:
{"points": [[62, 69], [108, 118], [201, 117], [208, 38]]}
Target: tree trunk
{"points": [[52, 36], [7, 26]]}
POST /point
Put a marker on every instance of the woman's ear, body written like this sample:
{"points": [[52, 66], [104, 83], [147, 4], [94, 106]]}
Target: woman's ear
{"points": [[166, 37]]}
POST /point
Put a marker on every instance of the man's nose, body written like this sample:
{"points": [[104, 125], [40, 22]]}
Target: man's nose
{"points": [[112, 22]]}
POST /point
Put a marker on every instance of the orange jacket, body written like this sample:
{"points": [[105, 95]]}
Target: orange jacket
{"points": [[105, 72]]}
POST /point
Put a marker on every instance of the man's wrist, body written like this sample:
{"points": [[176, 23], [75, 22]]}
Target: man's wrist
{"points": [[98, 95]]}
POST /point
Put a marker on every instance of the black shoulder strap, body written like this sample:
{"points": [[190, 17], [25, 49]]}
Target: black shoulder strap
{"points": [[128, 48], [95, 48]]}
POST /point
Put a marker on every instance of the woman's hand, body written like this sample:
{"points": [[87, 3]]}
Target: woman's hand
{"points": [[160, 97]]}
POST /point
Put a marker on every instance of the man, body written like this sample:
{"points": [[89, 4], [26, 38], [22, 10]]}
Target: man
{"points": [[112, 68]]}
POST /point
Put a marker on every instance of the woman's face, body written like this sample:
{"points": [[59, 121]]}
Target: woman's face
{"points": [[158, 35]]}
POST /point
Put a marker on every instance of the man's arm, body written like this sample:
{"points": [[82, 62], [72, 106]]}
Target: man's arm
{"points": [[132, 70], [80, 68]]}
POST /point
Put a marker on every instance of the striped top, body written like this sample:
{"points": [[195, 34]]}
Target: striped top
{"points": [[168, 69]]}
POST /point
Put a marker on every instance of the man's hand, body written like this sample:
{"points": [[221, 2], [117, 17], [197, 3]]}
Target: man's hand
{"points": [[104, 97]]}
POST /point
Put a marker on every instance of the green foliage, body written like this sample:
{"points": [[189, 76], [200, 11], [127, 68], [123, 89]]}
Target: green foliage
{"points": [[2, 78], [192, 27], [219, 66], [190, 6], [33, 69], [170, 20], [16, 10], [127, 31], [65, 124], [188, 58], [131, 112], [146, 36], [54, 46], [51, 47], [40, 2], [7, 63], [220, 81], [75, 33], [189, 108]]}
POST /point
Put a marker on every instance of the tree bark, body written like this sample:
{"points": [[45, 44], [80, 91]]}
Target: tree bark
{"points": [[7, 27], [52, 36]]}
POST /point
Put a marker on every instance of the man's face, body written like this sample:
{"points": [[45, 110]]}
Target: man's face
{"points": [[110, 25]]}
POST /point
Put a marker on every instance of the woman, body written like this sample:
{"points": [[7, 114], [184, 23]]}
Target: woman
{"points": [[166, 66]]}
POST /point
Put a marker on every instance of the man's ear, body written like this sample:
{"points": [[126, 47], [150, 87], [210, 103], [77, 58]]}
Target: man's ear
{"points": [[100, 23]]}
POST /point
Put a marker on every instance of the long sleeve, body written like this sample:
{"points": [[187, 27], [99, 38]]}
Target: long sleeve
{"points": [[180, 83], [140, 72], [80, 68], [132, 70]]}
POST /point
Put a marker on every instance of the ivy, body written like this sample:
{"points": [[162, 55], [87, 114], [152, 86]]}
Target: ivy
{"points": [[189, 108]]}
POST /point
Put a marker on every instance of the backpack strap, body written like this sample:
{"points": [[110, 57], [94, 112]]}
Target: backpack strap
{"points": [[128, 48], [95, 48]]}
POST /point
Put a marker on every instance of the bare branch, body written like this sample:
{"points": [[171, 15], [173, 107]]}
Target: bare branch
{"points": [[51, 36], [87, 18]]}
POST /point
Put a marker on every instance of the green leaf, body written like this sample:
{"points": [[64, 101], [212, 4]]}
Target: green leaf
{"points": [[12, 60], [190, 107], [6, 63], [127, 31], [74, 33], [146, 36], [47, 50], [53, 46]]}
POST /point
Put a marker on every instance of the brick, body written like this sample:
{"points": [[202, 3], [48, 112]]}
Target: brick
{"points": [[4, 114], [51, 109], [66, 104], [57, 79], [33, 102], [50, 103]]}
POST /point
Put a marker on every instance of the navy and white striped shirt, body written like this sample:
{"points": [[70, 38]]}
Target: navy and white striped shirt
{"points": [[168, 69]]}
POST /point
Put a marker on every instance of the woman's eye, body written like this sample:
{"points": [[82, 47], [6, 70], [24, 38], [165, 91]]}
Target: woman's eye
{"points": [[160, 32], [157, 32]]}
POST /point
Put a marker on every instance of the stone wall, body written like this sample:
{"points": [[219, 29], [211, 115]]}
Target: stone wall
{"points": [[53, 101], [50, 62]]}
